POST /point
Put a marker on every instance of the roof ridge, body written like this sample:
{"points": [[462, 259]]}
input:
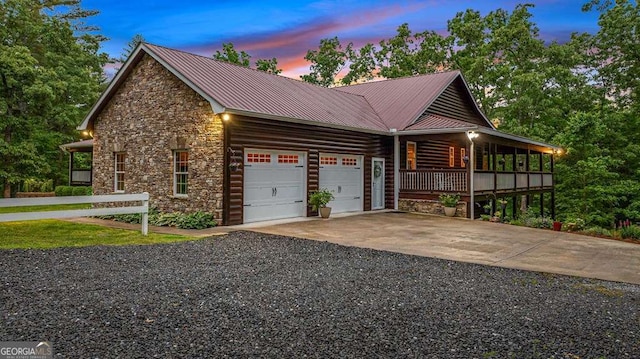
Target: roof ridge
{"points": [[241, 66], [297, 81], [399, 78]]}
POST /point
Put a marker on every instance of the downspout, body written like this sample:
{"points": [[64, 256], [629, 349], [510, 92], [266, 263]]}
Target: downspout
{"points": [[396, 168]]}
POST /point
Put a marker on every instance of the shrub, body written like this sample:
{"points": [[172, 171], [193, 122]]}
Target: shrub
{"points": [[630, 232], [320, 198], [597, 231], [78, 191], [64, 191], [46, 186], [196, 220]]}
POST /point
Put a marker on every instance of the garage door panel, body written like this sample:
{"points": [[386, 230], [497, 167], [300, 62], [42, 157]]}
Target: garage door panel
{"points": [[342, 175], [275, 187]]}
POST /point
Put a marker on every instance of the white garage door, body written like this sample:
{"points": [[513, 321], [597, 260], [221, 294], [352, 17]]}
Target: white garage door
{"points": [[274, 185], [343, 175]]}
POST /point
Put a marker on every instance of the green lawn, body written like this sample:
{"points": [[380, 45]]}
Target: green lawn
{"points": [[58, 207], [45, 234]]}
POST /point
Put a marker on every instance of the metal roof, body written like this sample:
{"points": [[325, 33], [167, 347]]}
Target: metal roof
{"points": [[390, 107], [251, 91], [80, 146], [399, 102], [433, 121]]}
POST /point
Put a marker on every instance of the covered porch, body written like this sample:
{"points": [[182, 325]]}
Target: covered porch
{"points": [[481, 165], [80, 162]]}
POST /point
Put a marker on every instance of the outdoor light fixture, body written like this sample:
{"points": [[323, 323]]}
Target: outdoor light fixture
{"points": [[226, 117], [465, 159], [472, 135]]}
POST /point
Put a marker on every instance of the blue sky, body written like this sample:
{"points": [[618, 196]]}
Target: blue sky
{"points": [[287, 29]]}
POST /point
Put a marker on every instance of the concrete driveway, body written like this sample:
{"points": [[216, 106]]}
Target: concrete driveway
{"points": [[476, 242]]}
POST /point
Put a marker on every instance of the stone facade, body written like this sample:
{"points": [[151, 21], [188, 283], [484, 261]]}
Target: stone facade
{"points": [[151, 115], [429, 206]]}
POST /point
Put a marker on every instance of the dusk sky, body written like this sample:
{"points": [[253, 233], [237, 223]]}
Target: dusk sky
{"points": [[287, 29]]}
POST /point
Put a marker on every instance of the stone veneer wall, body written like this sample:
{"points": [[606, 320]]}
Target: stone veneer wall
{"points": [[429, 206], [150, 115]]}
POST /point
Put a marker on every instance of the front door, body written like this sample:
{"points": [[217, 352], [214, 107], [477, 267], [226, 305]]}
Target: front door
{"points": [[377, 189]]}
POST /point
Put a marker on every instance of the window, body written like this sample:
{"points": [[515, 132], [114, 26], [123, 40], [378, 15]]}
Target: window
{"points": [[258, 158], [452, 156], [349, 161], [462, 154], [411, 155], [293, 159], [180, 172], [118, 183], [324, 160]]}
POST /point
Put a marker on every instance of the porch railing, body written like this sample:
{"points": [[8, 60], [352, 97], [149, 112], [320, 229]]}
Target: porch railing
{"points": [[456, 181], [434, 180], [81, 176]]}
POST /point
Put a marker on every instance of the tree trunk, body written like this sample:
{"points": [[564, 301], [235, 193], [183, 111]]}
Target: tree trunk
{"points": [[7, 189]]}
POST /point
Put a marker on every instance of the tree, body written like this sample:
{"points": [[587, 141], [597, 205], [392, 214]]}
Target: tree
{"points": [[131, 45], [268, 65], [408, 54], [617, 49], [326, 62], [362, 65], [50, 73], [231, 55]]}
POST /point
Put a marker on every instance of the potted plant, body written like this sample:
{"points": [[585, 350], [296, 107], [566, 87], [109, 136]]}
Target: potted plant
{"points": [[319, 200], [449, 202]]}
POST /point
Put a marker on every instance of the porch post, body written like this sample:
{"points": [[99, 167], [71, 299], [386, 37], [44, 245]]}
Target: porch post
{"points": [[71, 167], [472, 165], [396, 170], [553, 189]]}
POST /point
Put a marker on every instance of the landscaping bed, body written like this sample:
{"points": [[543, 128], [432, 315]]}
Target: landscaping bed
{"points": [[254, 295]]}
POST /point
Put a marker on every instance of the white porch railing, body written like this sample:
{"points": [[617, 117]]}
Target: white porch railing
{"points": [[456, 181], [434, 180], [81, 176], [43, 201]]}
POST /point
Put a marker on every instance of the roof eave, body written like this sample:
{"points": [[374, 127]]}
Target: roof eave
{"points": [[509, 136], [216, 106], [305, 122]]}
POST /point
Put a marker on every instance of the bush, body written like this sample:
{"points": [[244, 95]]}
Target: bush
{"points": [[630, 232], [46, 186], [79, 191], [64, 191], [196, 220], [35, 185], [597, 231]]}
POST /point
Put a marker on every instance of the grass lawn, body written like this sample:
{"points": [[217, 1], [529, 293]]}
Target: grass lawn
{"points": [[45, 234], [57, 207]]}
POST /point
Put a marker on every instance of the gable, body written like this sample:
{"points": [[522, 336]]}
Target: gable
{"points": [[455, 103]]}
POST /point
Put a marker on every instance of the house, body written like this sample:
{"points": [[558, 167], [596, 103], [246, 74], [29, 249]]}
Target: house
{"points": [[204, 135]]}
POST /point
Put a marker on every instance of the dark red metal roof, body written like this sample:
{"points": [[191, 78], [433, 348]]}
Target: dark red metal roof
{"points": [[432, 121], [399, 102], [248, 90]]}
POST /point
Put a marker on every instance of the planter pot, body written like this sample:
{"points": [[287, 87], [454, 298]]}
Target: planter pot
{"points": [[325, 212], [557, 226], [450, 211]]}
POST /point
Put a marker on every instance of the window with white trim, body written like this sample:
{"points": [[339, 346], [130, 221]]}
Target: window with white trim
{"points": [[462, 156], [180, 173], [118, 182]]}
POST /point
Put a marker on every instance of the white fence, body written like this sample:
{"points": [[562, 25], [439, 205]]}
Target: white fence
{"points": [[44, 201]]}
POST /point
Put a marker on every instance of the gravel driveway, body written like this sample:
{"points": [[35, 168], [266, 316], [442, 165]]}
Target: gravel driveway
{"points": [[256, 295]]}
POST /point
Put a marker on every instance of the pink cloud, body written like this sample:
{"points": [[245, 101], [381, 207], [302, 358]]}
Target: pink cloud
{"points": [[290, 46]]}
